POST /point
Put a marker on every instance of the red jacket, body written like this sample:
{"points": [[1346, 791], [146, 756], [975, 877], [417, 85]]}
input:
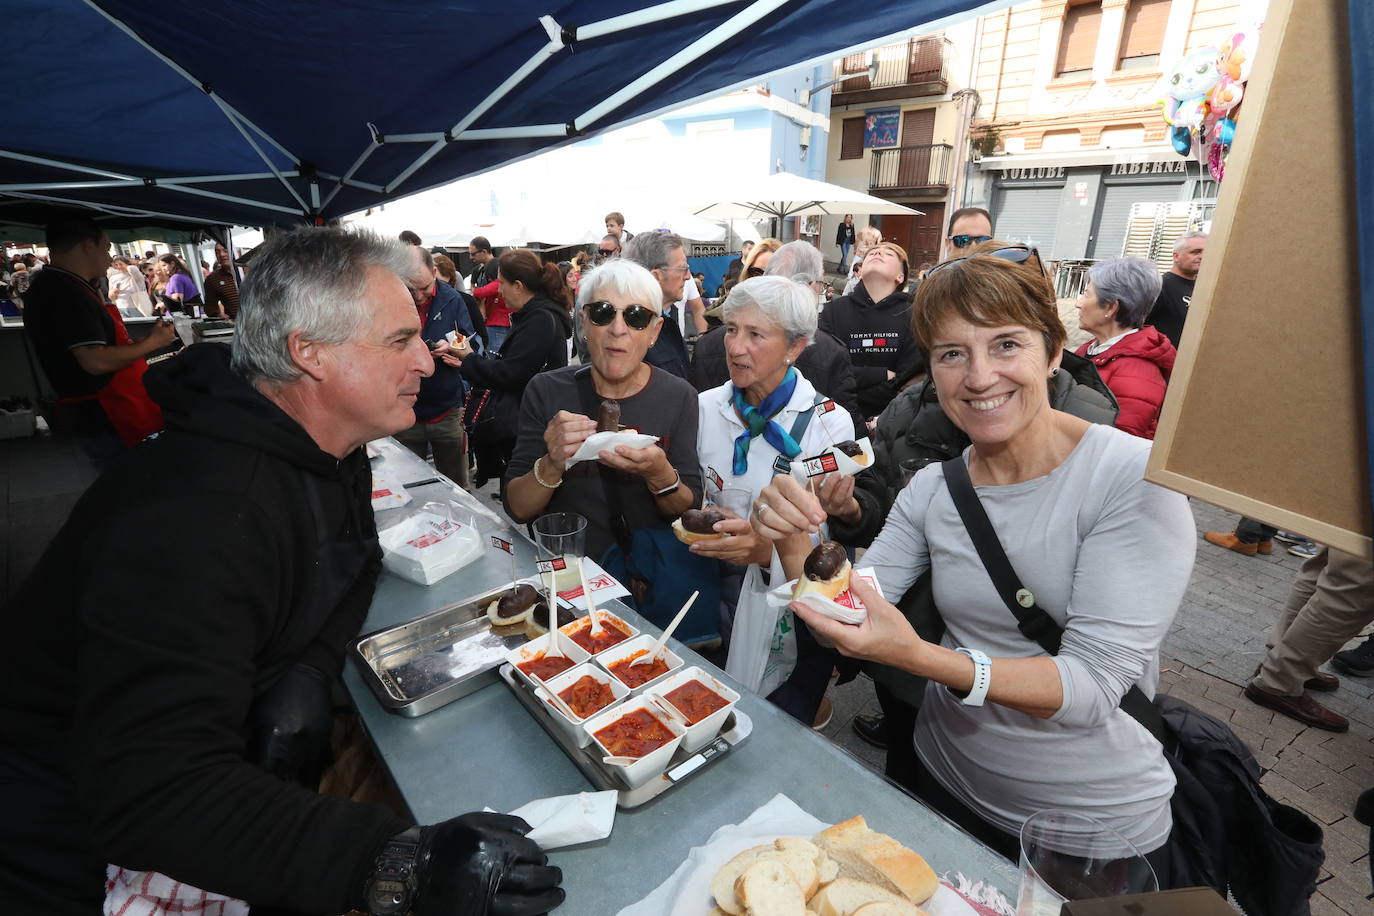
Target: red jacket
{"points": [[1136, 369]]}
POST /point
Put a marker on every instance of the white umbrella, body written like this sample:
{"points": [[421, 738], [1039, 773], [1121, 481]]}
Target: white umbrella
{"points": [[783, 194]]}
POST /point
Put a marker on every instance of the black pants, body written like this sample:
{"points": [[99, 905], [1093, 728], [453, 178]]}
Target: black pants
{"points": [[1252, 532], [801, 694]]}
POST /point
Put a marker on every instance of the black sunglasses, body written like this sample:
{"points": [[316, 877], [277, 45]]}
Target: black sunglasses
{"points": [[636, 316], [1017, 254], [963, 241], [605, 252]]}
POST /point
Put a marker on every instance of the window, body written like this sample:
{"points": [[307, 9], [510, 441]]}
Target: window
{"points": [[852, 138], [1078, 43], [1143, 35]]}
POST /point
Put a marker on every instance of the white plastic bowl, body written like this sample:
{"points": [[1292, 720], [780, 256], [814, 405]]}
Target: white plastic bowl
{"points": [[643, 642], [535, 647], [603, 615], [702, 733], [573, 727], [651, 764]]}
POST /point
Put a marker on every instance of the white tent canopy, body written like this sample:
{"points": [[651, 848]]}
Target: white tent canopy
{"points": [[783, 194]]}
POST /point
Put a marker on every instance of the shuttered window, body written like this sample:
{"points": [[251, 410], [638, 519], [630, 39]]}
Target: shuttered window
{"points": [[1078, 42], [852, 138], [1143, 34]]}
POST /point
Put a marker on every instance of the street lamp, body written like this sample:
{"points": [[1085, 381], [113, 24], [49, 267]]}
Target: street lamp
{"points": [[806, 94]]}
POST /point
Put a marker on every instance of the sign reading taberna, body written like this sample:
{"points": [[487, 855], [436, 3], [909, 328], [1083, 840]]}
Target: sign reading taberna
{"points": [[880, 127]]}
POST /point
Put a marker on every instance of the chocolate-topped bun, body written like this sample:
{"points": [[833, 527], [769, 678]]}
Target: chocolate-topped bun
{"points": [[538, 623], [608, 420], [854, 450], [514, 607], [698, 524], [825, 572]]}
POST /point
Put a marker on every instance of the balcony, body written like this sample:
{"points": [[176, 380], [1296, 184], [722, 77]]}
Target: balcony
{"points": [[910, 69], [903, 170]]}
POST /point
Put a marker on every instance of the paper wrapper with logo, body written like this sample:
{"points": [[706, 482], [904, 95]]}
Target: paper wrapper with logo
{"points": [[429, 543], [387, 493], [833, 461], [846, 606]]}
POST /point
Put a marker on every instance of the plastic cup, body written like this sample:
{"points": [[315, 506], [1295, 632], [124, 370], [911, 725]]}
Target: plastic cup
{"points": [[562, 534], [1069, 856], [734, 500]]}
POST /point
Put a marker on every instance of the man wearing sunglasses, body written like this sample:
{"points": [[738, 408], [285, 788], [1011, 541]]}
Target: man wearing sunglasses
{"points": [[663, 255], [607, 248], [968, 227]]}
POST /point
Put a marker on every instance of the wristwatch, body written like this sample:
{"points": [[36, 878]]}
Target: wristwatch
{"points": [[391, 888], [982, 677], [669, 490]]}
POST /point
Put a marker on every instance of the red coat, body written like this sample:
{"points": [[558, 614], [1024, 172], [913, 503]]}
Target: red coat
{"points": [[1136, 369]]}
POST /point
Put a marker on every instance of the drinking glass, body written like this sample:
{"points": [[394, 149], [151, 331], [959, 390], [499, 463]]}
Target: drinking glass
{"points": [[1068, 856]]}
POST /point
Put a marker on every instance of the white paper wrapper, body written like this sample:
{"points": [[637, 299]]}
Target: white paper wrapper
{"points": [[566, 820], [687, 892], [425, 547], [387, 493], [597, 443], [846, 608], [831, 461], [604, 587]]}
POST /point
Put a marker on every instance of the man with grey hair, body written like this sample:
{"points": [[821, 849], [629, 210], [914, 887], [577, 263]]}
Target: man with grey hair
{"points": [[663, 254], [1171, 308], [444, 320], [174, 716], [825, 363]]}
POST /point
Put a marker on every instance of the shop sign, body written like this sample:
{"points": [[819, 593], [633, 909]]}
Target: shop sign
{"points": [[1038, 173], [1150, 168], [880, 127]]}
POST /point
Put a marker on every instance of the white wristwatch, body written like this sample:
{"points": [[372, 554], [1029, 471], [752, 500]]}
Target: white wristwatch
{"points": [[982, 677]]}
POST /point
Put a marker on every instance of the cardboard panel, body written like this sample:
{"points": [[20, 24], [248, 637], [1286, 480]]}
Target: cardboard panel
{"points": [[1265, 411]]}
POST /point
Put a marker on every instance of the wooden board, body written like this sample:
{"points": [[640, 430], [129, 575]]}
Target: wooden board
{"points": [[1265, 411]]}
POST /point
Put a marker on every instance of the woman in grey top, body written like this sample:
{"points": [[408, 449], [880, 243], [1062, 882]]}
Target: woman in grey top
{"points": [[1106, 554]]}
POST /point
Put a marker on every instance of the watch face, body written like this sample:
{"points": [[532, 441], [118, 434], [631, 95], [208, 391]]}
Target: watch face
{"points": [[386, 896]]}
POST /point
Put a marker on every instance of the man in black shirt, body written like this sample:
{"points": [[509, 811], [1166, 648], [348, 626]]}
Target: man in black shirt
{"points": [[663, 255], [1176, 294]]}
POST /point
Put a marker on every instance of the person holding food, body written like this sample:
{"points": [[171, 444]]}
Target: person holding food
{"points": [[621, 305], [753, 426], [1006, 729]]}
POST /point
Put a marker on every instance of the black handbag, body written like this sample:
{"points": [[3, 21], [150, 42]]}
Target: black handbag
{"points": [[1228, 833]]}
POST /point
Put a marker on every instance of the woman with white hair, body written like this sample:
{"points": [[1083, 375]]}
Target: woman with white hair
{"points": [[752, 426], [1134, 361]]}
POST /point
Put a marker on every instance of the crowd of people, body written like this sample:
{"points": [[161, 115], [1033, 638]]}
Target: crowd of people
{"points": [[957, 373]]}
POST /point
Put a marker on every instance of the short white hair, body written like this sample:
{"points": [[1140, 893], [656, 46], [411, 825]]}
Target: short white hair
{"points": [[800, 261], [1132, 283], [784, 302], [1182, 244], [623, 278], [311, 280]]}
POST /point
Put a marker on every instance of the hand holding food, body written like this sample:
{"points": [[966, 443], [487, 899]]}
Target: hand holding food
{"points": [[785, 508], [884, 636], [565, 432]]}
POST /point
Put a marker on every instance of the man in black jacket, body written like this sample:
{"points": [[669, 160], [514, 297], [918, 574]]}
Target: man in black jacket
{"points": [[172, 715]]}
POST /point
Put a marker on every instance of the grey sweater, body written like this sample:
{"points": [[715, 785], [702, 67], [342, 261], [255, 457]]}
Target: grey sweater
{"points": [[1108, 556]]}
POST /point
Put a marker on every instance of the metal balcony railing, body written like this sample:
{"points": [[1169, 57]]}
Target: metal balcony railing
{"points": [[904, 167], [912, 62]]}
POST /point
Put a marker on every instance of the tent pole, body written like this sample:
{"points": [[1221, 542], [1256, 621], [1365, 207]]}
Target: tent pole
{"points": [[68, 166], [233, 119], [357, 164]]}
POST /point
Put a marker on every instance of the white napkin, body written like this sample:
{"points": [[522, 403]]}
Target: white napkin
{"points": [[566, 820], [597, 443], [687, 892], [603, 585], [846, 607]]}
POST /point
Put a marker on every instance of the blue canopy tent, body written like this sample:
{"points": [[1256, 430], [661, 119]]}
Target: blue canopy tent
{"points": [[256, 112]]}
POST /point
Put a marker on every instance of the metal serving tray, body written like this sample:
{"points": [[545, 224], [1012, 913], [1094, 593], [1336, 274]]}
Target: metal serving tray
{"points": [[425, 663], [736, 728]]}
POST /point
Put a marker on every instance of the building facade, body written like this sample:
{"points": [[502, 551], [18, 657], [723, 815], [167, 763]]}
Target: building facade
{"points": [[1068, 136]]}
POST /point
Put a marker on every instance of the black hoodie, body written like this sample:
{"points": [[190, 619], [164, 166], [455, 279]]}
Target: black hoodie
{"points": [[186, 580], [538, 341], [879, 338]]}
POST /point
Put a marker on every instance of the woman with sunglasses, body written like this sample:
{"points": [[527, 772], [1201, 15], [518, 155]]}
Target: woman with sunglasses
{"points": [[752, 426], [621, 305], [755, 265], [1007, 728], [540, 328]]}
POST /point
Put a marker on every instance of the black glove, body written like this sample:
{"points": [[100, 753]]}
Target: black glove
{"points": [[290, 726], [482, 864]]}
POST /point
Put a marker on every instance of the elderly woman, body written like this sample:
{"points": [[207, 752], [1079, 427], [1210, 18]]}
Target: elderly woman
{"points": [[754, 424], [1135, 361], [540, 327], [1104, 553], [621, 306]]}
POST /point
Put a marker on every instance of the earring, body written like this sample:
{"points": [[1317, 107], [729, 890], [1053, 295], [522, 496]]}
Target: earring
{"points": [[787, 362], [1054, 372]]}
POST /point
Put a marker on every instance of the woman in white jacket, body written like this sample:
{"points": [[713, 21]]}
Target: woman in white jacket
{"points": [[128, 289], [750, 429]]}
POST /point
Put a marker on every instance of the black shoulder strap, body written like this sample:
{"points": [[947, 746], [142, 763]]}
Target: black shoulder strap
{"points": [[1031, 619], [591, 406]]}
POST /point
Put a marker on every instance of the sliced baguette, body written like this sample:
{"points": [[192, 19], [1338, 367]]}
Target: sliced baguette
{"points": [[884, 908], [877, 858], [799, 855], [723, 884], [846, 896], [768, 888]]}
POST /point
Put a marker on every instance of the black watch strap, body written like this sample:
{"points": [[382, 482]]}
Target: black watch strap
{"points": [[392, 886]]}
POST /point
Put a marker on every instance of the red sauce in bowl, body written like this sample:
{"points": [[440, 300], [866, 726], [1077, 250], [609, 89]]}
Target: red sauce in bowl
{"points": [[611, 634], [587, 696], [634, 675], [696, 701], [543, 667], [634, 735]]}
